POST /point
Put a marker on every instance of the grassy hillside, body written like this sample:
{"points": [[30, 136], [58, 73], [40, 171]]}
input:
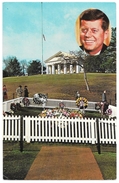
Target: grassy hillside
{"points": [[65, 86]]}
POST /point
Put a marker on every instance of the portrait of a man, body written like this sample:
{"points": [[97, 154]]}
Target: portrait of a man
{"points": [[93, 31]]}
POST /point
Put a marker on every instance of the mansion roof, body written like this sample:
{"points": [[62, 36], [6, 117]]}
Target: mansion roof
{"points": [[60, 57]]}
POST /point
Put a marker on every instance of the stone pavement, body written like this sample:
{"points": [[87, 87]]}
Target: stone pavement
{"points": [[64, 163]]}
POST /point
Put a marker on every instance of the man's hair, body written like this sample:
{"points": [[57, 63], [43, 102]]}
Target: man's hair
{"points": [[95, 14]]}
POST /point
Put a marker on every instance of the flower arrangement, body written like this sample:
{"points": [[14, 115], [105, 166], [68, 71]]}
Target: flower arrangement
{"points": [[108, 111], [26, 101], [61, 105], [82, 102], [58, 112]]}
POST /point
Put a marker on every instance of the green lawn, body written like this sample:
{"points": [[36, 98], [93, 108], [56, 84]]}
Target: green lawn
{"points": [[64, 86], [107, 164]]}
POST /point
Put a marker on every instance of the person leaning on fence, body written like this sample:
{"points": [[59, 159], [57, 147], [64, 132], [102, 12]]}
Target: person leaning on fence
{"points": [[19, 91]]}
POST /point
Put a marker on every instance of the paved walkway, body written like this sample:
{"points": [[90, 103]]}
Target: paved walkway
{"points": [[64, 163]]}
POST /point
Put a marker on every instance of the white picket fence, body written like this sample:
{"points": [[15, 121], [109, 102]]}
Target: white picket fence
{"points": [[54, 129]]}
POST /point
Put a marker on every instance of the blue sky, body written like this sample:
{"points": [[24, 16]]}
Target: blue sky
{"points": [[22, 27]]}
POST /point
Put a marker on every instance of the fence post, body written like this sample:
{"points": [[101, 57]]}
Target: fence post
{"points": [[27, 128], [21, 133], [98, 136], [93, 130]]}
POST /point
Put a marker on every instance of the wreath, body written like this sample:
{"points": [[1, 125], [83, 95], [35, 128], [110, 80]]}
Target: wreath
{"points": [[108, 111], [39, 98], [82, 102], [13, 106], [26, 101]]}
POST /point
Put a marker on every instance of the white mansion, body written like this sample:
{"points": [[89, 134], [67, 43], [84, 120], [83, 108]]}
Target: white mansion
{"points": [[62, 63]]}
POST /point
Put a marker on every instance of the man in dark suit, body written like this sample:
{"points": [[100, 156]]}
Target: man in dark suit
{"points": [[94, 30]]}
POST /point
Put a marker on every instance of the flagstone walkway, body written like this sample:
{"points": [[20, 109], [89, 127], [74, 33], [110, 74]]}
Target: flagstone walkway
{"points": [[64, 163]]}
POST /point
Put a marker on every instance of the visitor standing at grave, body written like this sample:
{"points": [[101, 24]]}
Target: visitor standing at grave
{"points": [[77, 95], [19, 91], [26, 93], [104, 98], [5, 97]]}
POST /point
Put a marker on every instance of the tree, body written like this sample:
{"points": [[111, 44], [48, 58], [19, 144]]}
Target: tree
{"points": [[5, 74], [13, 67], [34, 67], [24, 66], [80, 58]]}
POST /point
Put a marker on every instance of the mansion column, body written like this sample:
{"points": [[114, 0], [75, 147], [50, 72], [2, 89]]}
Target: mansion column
{"points": [[65, 68], [59, 68], [71, 69], [77, 68], [49, 69], [53, 69]]}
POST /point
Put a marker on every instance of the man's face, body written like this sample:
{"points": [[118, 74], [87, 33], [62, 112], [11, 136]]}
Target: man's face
{"points": [[92, 36]]}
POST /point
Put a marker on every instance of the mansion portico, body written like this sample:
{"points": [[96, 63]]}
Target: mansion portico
{"points": [[62, 63]]}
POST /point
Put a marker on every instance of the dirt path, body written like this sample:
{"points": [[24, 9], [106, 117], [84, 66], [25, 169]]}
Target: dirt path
{"points": [[64, 163]]}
